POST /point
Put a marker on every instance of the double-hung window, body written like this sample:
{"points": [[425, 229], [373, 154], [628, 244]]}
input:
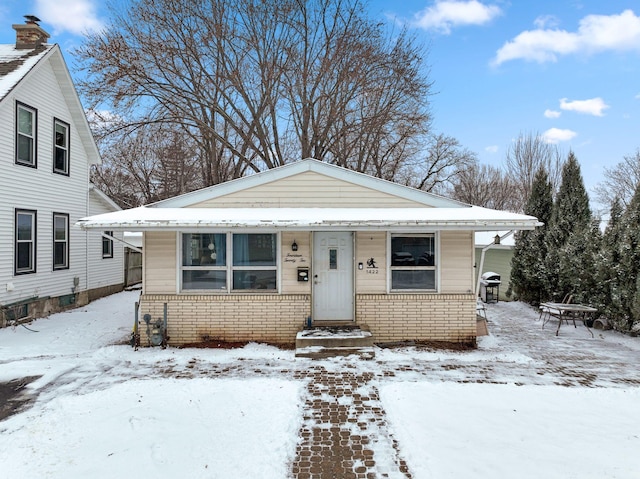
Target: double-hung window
{"points": [[229, 262], [413, 265], [25, 242], [60, 241], [26, 121], [61, 147], [107, 244]]}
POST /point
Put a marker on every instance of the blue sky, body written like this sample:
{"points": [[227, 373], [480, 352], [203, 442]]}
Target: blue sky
{"points": [[566, 69]]}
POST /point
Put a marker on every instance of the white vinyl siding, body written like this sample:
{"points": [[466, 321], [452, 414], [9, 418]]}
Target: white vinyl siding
{"points": [[371, 245], [456, 256], [42, 191], [160, 259], [309, 189], [103, 271], [291, 261]]}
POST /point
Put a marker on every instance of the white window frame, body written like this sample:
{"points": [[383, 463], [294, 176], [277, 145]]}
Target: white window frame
{"points": [[64, 241], [435, 267], [275, 267], [212, 267], [64, 148], [32, 241], [229, 267], [31, 136]]}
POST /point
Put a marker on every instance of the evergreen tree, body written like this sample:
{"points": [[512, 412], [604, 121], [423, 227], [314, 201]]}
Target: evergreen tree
{"points": [[528, 271], [629, 251], [571, 216], [608, 300], [578, 261]]}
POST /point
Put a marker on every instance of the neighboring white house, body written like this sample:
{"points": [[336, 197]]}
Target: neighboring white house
{"points": [[256, 258], [46, 150]]}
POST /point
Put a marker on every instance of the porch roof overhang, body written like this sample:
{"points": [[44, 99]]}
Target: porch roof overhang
{"points": [[472, 218]]}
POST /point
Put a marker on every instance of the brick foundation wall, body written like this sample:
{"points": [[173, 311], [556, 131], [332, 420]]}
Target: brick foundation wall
{"points": [[194, 318], [424, 317], [277, 318]]}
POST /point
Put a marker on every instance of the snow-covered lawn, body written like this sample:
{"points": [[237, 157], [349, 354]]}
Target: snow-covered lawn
{"points": [[103, 410]]}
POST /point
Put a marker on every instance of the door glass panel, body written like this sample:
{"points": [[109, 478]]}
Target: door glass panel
{"points": [[333, 259]]}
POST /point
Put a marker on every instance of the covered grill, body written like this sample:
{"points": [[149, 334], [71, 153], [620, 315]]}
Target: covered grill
{"points": [[490, 287]]}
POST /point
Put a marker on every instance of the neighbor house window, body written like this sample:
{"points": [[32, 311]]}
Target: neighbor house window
{"points": [[254, 261], [60, 241], [61, 147], [229, 262], [107, 245], [25, 242], [25, 135], [413, 264]]}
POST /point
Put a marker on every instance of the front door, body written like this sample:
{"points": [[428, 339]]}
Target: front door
{"points": [[333, 276]]}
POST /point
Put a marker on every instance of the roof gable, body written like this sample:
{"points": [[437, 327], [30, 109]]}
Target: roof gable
{"points": [[15, 64], [18, 66], [306, 183]]}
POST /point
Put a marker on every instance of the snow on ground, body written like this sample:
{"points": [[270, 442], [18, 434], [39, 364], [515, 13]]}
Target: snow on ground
{"points": [[499, 431], [103, 410]]}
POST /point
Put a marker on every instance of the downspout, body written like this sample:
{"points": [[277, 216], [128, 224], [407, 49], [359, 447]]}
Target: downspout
{"points": [[484, 250]]}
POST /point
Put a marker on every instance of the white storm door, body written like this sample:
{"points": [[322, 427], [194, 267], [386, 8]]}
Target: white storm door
{"points": [[333, 276]]}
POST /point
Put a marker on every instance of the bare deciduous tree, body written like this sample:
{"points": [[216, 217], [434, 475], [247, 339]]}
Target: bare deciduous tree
{"points": [[621, 181], [439, 168], [148, 164], [525, 157], [487, 186], [254, 84]]}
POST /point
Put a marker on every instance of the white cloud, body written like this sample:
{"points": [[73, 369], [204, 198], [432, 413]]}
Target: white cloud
{"points": [[446, 14], [546, 21], [552, 113], [638, 96], [556, 135], [594, 106], [74, 16], [595, 33], [492, 149]]}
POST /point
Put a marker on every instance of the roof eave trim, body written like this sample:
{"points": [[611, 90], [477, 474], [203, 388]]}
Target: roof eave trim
{"points": [[471, 225]]}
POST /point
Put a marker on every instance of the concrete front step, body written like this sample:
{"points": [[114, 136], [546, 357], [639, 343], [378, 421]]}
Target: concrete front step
{"points": [[328, 341], [321, 352]]}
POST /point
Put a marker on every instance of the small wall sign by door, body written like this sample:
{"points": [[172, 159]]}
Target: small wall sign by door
{"points": [[372, 267]]}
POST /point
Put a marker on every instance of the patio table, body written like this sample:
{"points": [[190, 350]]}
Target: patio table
{"points": [[568, 312]]}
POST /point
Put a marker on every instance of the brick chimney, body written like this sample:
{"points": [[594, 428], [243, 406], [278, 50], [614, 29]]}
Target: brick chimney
{"points": [[30, 35]]}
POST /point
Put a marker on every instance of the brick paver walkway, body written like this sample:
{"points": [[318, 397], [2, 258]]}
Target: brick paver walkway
{"points": [[344, 433]]}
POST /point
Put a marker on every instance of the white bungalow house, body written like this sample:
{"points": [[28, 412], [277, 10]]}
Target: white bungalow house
{"points": [[46, 150], [258, 257]]}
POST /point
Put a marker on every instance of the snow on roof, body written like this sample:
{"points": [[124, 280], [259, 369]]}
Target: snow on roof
{"points": [[468, 218], [15, 64]]}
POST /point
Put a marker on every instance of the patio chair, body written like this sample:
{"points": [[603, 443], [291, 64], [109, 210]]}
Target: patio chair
{"points": [[544, 311]]}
